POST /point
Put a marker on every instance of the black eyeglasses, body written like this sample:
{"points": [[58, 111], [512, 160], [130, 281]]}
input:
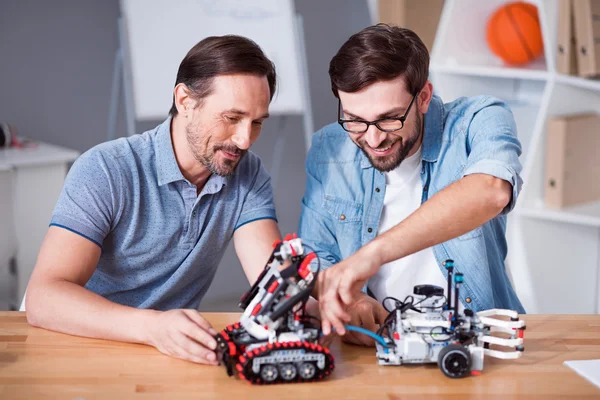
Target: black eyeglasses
{"points": [[384, 124]]}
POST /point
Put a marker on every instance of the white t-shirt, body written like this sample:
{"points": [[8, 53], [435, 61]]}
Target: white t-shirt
{"points": [[402, 197]]}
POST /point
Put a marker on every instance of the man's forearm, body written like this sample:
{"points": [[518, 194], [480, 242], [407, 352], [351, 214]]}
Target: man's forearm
{"points": [[69, 308], [454, 211]]}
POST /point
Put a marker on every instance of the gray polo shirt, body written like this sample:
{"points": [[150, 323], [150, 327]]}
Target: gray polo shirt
{"points": [[161, 243]]}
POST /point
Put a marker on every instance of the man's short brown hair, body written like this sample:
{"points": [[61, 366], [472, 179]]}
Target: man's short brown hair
{"points": [[380, 53], [222, 55]]}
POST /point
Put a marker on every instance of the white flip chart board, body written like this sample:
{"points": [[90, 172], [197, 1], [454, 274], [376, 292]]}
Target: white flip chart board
{"points": [[159, 33]]}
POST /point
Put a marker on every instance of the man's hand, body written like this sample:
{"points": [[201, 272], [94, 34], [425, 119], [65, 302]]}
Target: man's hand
{"points": [[368, 314], [312, 309], [183, 334], [341, 284]]}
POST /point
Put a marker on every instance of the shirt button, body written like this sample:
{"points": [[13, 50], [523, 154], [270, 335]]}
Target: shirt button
{"points": [[342, 217], [468, 299], [370, 230], [194, 214], [377, 190], [425, 188]]}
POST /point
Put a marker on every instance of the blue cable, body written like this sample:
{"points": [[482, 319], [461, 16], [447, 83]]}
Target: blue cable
{"points": [[367, 332]]}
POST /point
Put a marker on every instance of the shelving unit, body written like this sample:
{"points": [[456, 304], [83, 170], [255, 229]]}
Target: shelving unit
{"points": [[553, 254]]}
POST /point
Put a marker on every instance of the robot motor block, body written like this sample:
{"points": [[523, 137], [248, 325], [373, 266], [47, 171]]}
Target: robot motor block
{"points": [[428, 328], [275, 341]]}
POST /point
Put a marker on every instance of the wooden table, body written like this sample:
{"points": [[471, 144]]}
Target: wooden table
{"points": [[36, 363]]}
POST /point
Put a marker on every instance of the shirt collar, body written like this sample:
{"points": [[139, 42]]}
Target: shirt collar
{"points": [[432, 133], [214, 184], [167, 169], [364, 160]]}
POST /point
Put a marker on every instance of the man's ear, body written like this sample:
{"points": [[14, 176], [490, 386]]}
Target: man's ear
{"points": [[424, 97], [183, 99]]}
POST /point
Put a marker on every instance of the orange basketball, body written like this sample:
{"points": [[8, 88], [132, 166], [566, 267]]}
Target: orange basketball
{"points": [[514, 34]]}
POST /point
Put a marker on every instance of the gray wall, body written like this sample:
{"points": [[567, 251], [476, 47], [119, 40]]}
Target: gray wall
{"points": [[56, 63]]}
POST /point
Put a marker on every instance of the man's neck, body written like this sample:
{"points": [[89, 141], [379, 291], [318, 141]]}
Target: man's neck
{"points": [[190, 168]]}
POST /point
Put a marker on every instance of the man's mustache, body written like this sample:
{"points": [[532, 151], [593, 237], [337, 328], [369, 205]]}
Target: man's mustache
{"points": [[383, 145], [230, 149]]}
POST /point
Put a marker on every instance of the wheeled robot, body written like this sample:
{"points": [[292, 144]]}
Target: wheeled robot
{"points": [[428, 328]]}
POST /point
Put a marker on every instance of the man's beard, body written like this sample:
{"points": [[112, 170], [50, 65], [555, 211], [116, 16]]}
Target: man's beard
{"points": [[392, 161], [204, 152]]}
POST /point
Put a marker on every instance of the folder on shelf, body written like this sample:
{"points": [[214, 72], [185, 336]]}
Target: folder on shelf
{"points": [[566, 49], [587, 31], [572, 161]]}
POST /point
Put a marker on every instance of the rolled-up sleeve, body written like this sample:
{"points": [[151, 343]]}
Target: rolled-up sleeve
{"points": [[494, 148]]}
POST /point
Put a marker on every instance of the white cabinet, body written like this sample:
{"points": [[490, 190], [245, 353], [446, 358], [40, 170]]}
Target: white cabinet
{"points": [[553, 254], [38, 175]]}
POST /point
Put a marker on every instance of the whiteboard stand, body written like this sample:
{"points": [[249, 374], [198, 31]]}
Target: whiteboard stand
{"points": [[308, 115], [114, 96], [121, 79]]}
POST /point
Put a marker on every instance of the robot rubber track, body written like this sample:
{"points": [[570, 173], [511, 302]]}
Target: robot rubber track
{"points": [[242, 362], [275, 341]]}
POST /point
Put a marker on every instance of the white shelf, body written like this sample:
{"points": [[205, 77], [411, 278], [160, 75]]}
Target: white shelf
{"points": [[585, 214], [578, 82], [526, 116], [461, 38], [492, 72], [541, 240]]}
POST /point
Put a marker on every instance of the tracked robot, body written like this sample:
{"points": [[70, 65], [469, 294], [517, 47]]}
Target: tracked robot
{"points": [[275, 341]]}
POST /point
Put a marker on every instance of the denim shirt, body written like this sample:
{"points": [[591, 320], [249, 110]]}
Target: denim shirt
{"points": [[342, 205]]}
